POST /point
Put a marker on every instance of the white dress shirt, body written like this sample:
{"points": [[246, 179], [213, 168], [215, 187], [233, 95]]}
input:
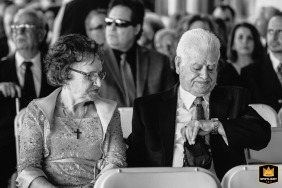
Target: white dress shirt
{"points": [[35, 69], [275, 61], [184, 114]]}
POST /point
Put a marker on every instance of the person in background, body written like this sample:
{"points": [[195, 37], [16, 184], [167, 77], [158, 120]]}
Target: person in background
{"points": [[264, 80], [95, 25], [195, 123], [152, 23], [8, 18], [21, 75], [245, 48], [165, 42], [227, 14], [134, 70], [71, 136]]}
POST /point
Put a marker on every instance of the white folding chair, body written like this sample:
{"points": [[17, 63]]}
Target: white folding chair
{"points": [[280, 117], [162, 177], [126, 120], [18, 121], [247, 176], [267, 113], [272, 154]]}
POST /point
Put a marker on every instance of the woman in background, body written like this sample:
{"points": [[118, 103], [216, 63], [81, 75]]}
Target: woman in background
{"points": [[244, 49]]}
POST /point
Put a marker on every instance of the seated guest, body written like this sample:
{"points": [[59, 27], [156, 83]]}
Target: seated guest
{"points": [[72, 135], [21, 75], [195, 123], [95, 25], [245, 48], [264, 80]]}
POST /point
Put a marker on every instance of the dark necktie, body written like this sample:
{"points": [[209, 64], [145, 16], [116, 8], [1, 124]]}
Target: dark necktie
{"points": [[127, 80], [197, 155], [279, 72], [28, 91]]}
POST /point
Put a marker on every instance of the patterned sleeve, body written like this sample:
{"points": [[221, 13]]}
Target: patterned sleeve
{"points": [[114, 146], [31, 147]]}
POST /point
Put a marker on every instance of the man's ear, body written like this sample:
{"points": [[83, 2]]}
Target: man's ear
{"points": [[177, 61], [137, 29]]}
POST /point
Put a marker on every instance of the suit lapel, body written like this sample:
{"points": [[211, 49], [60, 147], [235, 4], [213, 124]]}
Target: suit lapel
{"points": [[219, 104], [142, 67], [11, 69], [111, 65], [166, 125]]}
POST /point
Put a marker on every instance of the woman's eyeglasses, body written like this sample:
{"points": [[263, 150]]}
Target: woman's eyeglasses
{"points": [[118, 22], [91, 76]]}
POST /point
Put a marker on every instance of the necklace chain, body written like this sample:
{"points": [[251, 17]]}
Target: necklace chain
{"points": [[72, 119]]}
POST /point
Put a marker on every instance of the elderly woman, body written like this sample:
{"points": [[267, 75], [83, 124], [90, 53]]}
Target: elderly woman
{"points": [[72, 135]]}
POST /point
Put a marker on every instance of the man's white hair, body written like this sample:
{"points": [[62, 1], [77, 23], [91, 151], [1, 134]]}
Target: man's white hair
{"points": [[200, 39]]}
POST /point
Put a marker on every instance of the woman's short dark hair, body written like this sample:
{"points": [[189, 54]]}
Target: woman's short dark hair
{"points": [[258, 53], [68, 50]]}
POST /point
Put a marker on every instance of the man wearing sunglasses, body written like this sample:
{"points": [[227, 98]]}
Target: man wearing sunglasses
{"points": [[28, 33], [133, 71]]}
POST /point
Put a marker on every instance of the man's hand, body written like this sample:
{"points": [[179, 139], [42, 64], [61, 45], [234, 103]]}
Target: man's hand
{"points": [[10, 89], [196, 127]]}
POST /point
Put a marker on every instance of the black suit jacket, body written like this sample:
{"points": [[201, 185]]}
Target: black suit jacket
{"points": [[8, 108], [263, 83], [153, 74], [153, 128]]}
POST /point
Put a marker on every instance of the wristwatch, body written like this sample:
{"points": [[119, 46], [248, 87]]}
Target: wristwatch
{"points": [[215, 126]]}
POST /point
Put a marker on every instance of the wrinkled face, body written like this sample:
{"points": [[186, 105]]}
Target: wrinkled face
{"points": [[197, 70], [226, 16], [243, 41], [80, 84], [29, 36], [95, 28], [121, 38], [274, 35]]}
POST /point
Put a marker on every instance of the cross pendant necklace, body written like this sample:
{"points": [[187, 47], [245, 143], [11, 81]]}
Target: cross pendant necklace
{"points": [[77, 132]]}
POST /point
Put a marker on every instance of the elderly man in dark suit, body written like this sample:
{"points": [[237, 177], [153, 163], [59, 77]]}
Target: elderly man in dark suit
{"points": [[196, 123], [264, 80], [21, 75], [134, 71]]}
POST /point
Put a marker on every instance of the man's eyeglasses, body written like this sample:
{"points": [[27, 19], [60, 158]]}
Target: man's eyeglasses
{"points": [[91, 76], [22, 27], [118, 22]]}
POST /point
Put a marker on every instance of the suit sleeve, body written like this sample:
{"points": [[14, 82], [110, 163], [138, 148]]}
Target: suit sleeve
{"points": [[249, 130], [136, 141]]}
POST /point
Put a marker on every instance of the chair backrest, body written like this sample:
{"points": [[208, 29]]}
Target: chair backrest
{"points": [[267, 113], [272, 153], [280, 117], [126, 120], [18, 121], [161, 177], [247, 176]]}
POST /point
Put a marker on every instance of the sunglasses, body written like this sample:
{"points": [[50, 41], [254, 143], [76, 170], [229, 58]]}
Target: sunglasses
{"points": [[22, 27], [91, 76], [118, 22]]}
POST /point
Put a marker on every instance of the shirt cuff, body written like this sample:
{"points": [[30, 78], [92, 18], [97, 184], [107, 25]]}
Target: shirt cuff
{"points": [[26, 177]]}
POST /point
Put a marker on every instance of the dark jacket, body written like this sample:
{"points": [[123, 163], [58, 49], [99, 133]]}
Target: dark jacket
{"points": [[153, 128]]}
